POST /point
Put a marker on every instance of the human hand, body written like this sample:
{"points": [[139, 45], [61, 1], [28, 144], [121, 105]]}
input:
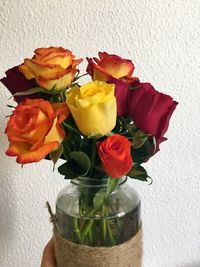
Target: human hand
{"points": [[48, 258]]}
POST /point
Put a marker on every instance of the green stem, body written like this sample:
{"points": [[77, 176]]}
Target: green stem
{"points": [[90, 237], [78, 77], [103, 225], [118, 223], [86, 229], [76, 228], [117, 220], [110, 234], [62, 96]]}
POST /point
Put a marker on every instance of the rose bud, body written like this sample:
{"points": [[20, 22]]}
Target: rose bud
{"points": [[93, 107], [115, 155]]}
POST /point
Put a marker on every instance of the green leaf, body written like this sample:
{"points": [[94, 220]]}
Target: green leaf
{"points": [[109, 134], [82, 160], [55, 155], [143, 153], [78, 165], [103, 193], [55, 91], [138, 172], [71, 128], [31, 91], [112, 183], [55, 98], [69, 170], [78, 77], [139, 139], [66, 152], [99, 198], [10, 106]]}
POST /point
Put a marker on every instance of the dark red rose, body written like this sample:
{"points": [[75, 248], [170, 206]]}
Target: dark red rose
{"points": [[121, 94], [115, 155], [15, 81], [151, 110]]}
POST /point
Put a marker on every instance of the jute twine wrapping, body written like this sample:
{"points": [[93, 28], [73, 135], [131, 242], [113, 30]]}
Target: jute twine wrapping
{"points": [[128, 254], [69, 254]]}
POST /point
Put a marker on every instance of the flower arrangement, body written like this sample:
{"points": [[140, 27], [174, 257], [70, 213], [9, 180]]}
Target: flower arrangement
{"points": [[106, 128]]}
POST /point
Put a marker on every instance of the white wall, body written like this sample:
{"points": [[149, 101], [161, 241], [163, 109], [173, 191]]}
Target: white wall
{"points": [[163, 39]]}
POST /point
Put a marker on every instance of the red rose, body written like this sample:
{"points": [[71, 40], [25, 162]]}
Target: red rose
{"points": [[117, 70], [115, 155], [151, 110]]}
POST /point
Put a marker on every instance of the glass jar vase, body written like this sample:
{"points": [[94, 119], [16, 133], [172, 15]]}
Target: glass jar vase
{"points": [[83, 217]]}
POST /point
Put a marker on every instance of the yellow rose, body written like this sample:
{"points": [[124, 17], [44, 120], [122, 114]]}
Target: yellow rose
{"points": [[53, 66], [93, 107]]}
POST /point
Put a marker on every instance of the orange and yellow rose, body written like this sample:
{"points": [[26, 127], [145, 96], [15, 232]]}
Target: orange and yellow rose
{"points": [[51, 67], [116, 70], [109, 66], [35, 129]]}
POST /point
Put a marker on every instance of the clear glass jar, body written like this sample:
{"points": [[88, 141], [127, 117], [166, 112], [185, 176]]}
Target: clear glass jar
{"points": [[117, 220]]}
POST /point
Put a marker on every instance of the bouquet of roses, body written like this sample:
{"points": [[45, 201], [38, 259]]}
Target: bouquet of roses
{"points": [[102, 130]]}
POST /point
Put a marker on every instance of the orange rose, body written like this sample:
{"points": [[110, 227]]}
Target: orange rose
{"points": [[35, 129], [108, 67], [51, 67]]}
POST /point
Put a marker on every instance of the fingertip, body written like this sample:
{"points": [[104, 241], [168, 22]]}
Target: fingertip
{"points": [[48, 259]]}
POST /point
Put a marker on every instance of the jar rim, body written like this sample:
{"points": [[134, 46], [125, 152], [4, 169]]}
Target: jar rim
{"points": [[94, 182]]}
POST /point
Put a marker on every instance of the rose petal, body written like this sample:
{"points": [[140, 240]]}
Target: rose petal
{"points": [[16, 82]]}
